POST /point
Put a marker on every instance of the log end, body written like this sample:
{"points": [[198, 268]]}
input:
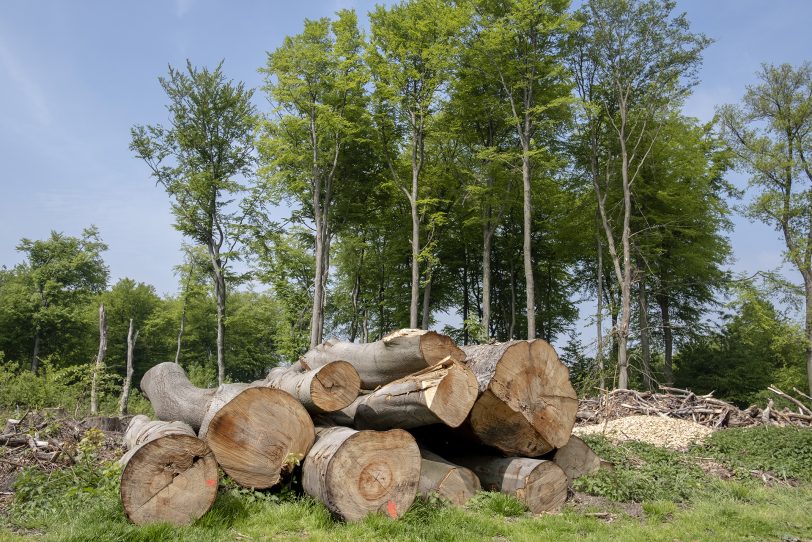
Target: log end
{"points": [[576, 459], [451, 482], [172, 479], [455, 396], [259, 435], [436, 347], [335, 386], [546, 489], [496, 424]]}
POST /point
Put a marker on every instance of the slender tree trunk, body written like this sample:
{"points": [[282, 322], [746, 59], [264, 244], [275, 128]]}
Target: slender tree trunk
{"points": [[626, 282], [599, 316], [645, 333], [97, 368], [181, 329], [512, 329], [315, 315], [220, 294], [668, 338], [415, 255], [465, 294], [128, 380], [527, 249], [35, 355], [426, 304], [808, 326], [487, 241]]}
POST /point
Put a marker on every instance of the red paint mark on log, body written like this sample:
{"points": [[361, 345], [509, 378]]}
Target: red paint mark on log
{"points": [[211, 482], [392, 509]]}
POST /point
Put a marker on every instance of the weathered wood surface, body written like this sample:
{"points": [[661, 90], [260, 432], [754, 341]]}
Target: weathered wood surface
{"points": [[538, 483], [443, 393], [576, 459], [527, 405], [397, 355], [451, 482], [328, 388], [256, 433], [169, 474], [356, 473]]}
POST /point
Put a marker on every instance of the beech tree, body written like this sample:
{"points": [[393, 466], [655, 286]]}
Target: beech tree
{"points": [[770, 133], [316, 82], [201, 159]]}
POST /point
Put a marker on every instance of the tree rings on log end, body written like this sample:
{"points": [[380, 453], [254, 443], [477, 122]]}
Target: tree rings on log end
{"points": [[259, 434], [436, 347], [172, 479], [334, 386]]}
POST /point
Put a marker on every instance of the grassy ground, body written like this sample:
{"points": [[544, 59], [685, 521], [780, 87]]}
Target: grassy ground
{"points": [[717, 492]]}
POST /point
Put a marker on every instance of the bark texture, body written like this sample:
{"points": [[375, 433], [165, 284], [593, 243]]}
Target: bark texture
{"points": [[527, 405], [328, 388], [97, 368], [357, 473], [169, 475], [397, 355], [541, 485]]}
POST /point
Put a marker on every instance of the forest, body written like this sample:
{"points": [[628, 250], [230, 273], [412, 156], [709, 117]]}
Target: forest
{"points": [[485, 168]]}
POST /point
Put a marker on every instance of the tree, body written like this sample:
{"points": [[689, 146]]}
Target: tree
{"points": [[65, 272], [316, 82], [200, 158], [637, 61], [523, 43], [771, 136], [412, 55]]}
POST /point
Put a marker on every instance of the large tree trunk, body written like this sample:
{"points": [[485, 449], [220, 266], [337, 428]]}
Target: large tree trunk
{"points": [[220, 295], [357, 473], [256, 433], [527, 405], [415, 292], [169, 475], [668, 338], [128, 379], [576, 459], [397, 355], [451, 482], [443, 393], [327, 388], [645, 332], [99, 366], [541, 485]]}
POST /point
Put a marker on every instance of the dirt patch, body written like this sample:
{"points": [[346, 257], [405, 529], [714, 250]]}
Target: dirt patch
{"points": [[603, 508], [663, 432]]}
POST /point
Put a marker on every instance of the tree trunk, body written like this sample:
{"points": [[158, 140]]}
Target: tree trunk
{"points": [[168, 476], [99, 366], [128, 380], [256, 433], [415, 257], [357, 473], [599, 317], [443, 393], [541, 485], [395, 356], [527, 405], [35, 355], [181, 329], [327, 388], [626, 282], [426, 304], [668, 338], [527, 248], [221, 329], [645, 333], [487, 240], [576, 459], [808, 329], [451, 482]]}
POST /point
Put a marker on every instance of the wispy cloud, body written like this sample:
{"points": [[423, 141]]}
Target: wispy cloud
{"points": [[27, 88]]}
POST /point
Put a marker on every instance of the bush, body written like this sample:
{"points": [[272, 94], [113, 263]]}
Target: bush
{"points": [[785, 452]]}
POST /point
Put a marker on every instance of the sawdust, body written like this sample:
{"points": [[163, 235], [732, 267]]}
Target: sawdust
{"points": [[664, 432]]}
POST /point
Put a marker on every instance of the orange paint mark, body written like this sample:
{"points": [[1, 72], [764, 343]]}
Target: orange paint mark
{"points": [[211, 482], [392, 509]]}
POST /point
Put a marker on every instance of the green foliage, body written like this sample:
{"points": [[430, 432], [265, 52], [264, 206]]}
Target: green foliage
{"points": [[643, 472], [497, 503], [785, 452]]}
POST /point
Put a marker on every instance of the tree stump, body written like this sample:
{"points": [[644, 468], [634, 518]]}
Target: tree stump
{"points": [[169, 474]]}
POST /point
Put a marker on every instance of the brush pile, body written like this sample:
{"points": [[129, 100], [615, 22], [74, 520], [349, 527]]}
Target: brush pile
{"points": [[367, 427]]}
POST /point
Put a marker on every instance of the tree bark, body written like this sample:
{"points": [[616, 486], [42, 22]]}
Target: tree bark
{"points": [[541, 485], [487, 241], [645, 333], [35, 355], [599, 317], [128, 379], [426, 304], [527, 247], [451, 482], [357, 473], [443, 393], [415, 292], [220, 295], [576, 459], [397, 355], [527, 405], [668, 338], [181, 329], [168, 476], [328, 388], [256, 433], [99, 365]]}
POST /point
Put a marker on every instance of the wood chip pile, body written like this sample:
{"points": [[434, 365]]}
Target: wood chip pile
{"points": [[366, 427], [705, 410]]}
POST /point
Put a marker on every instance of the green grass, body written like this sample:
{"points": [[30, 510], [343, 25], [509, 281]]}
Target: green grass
{"points": [[739, 509]]}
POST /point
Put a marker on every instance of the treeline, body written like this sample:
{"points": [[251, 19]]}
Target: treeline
{"points": [[497, 160]]}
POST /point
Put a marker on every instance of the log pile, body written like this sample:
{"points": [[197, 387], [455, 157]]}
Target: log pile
{"points": [[371, 426], [686, 405]]}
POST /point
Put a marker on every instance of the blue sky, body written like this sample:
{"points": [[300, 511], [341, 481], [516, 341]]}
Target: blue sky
{"points": [[75, 76]]}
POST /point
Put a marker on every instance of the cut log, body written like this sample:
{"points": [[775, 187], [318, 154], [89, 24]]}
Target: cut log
{"points": [[527, 405], [357, 473], [443, 393], [540, 484], [397, 355], [327, 388], [169, 474], [257, 434], [452, 482], [576, 459]]}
